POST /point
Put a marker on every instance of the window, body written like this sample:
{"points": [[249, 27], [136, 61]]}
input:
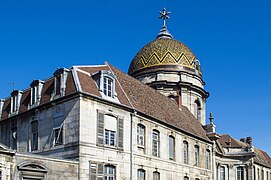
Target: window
{"points": [[110, 137], [110, 130], [60, 76], [156, 175], [15, 101], [208, 159], [57, 136], [222, 173], [196, 155], [197, 108], [140, 174], [171, 148], [185, 152], [108, 86], [36, 87], [262, 174], [258, 173], [140, 135], [101, 171], [109, 172], [35, 135], [186, 178], [0, 175], [240, 173], [155, 143]]}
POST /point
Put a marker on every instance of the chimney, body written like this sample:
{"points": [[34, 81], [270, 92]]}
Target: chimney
{"points": [[242, 140], [249, 141], [178, 99]]}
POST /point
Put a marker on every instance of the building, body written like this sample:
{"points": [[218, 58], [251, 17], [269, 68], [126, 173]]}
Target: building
{"points": [[96, 122]]}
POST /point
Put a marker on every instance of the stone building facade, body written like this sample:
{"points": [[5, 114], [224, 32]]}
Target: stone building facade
{"points": [[96, 122]]}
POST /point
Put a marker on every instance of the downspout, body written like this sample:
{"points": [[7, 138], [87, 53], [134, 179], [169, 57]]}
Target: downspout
{"points": [[133, 114]]}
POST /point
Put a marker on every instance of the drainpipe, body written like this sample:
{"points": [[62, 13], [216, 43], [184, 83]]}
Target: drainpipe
{"points": [[133, 114]]}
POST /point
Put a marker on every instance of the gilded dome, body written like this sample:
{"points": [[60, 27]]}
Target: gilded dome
{"points": [[164, 53]]}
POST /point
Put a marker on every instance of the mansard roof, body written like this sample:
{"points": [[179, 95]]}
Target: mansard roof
{"points": [[131, 93]]}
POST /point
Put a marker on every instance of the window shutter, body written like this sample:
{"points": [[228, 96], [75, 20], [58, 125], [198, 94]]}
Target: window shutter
{"points": [[93, 170], [100, 130], [120, 132]]}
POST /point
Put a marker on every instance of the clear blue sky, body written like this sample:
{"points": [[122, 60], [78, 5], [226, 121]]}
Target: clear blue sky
{"points": [[231, 39]]}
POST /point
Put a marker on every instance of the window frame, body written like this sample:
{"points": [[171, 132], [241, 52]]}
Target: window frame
{"points": [[185, 152], [110, 136], [208, 159], [156, 175], [34, 136], [240, 169], [59, 139], [141, 172], [197, 154], [155, 143], [171, 147], [141, 135]]}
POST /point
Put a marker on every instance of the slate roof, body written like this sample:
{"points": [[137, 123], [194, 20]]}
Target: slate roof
{"points": [[261, 157], [130, 92]]}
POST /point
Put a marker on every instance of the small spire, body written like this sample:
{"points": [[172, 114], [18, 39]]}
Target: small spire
{"points": [[164, 33], [211, 117]]}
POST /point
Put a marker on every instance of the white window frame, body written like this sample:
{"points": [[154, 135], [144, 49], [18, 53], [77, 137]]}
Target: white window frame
{"points": [[109, 137], [240, 173], [56, 139], [155, 143], [141, 135], [109, 172]]}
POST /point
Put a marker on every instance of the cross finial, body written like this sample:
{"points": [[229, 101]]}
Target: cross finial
{"points": [[164, 15]]}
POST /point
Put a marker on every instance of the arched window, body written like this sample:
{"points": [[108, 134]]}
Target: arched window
{"points": [[222, 173], [140, 135], [156, 175], [155, 143], [185, 152], [196, 155], [186, 178], [197, 108], [240, 173], [171, 147], [140, 174]]}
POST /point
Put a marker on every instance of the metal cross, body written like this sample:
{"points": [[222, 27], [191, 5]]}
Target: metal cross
{"points": [[164, 15]]}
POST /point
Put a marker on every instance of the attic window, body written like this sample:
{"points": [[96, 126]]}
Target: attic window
{"points": [[105, 81], [60, 76], [15, 101], [36, 87]]}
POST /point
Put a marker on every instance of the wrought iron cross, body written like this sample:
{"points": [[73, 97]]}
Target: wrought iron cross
{"points": [[164, 15]]}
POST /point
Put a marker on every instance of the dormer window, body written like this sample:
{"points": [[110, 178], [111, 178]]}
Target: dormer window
{"points": [[2, 101], [15, 101], [60, 76], [106, 81], [36, 87], [108, 86]]}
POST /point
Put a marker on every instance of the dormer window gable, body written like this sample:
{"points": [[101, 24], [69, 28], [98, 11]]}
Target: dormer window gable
{"points": [[2, 101], [106, 82], [15, 101], [60, 77], [36, 88]]}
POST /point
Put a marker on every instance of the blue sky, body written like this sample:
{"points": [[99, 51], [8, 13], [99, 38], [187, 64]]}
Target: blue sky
{"points": [[230, 38]]}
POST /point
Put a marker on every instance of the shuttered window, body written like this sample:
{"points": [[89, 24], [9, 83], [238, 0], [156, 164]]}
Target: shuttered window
{"points": [[109, 130], [102, 171]]}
